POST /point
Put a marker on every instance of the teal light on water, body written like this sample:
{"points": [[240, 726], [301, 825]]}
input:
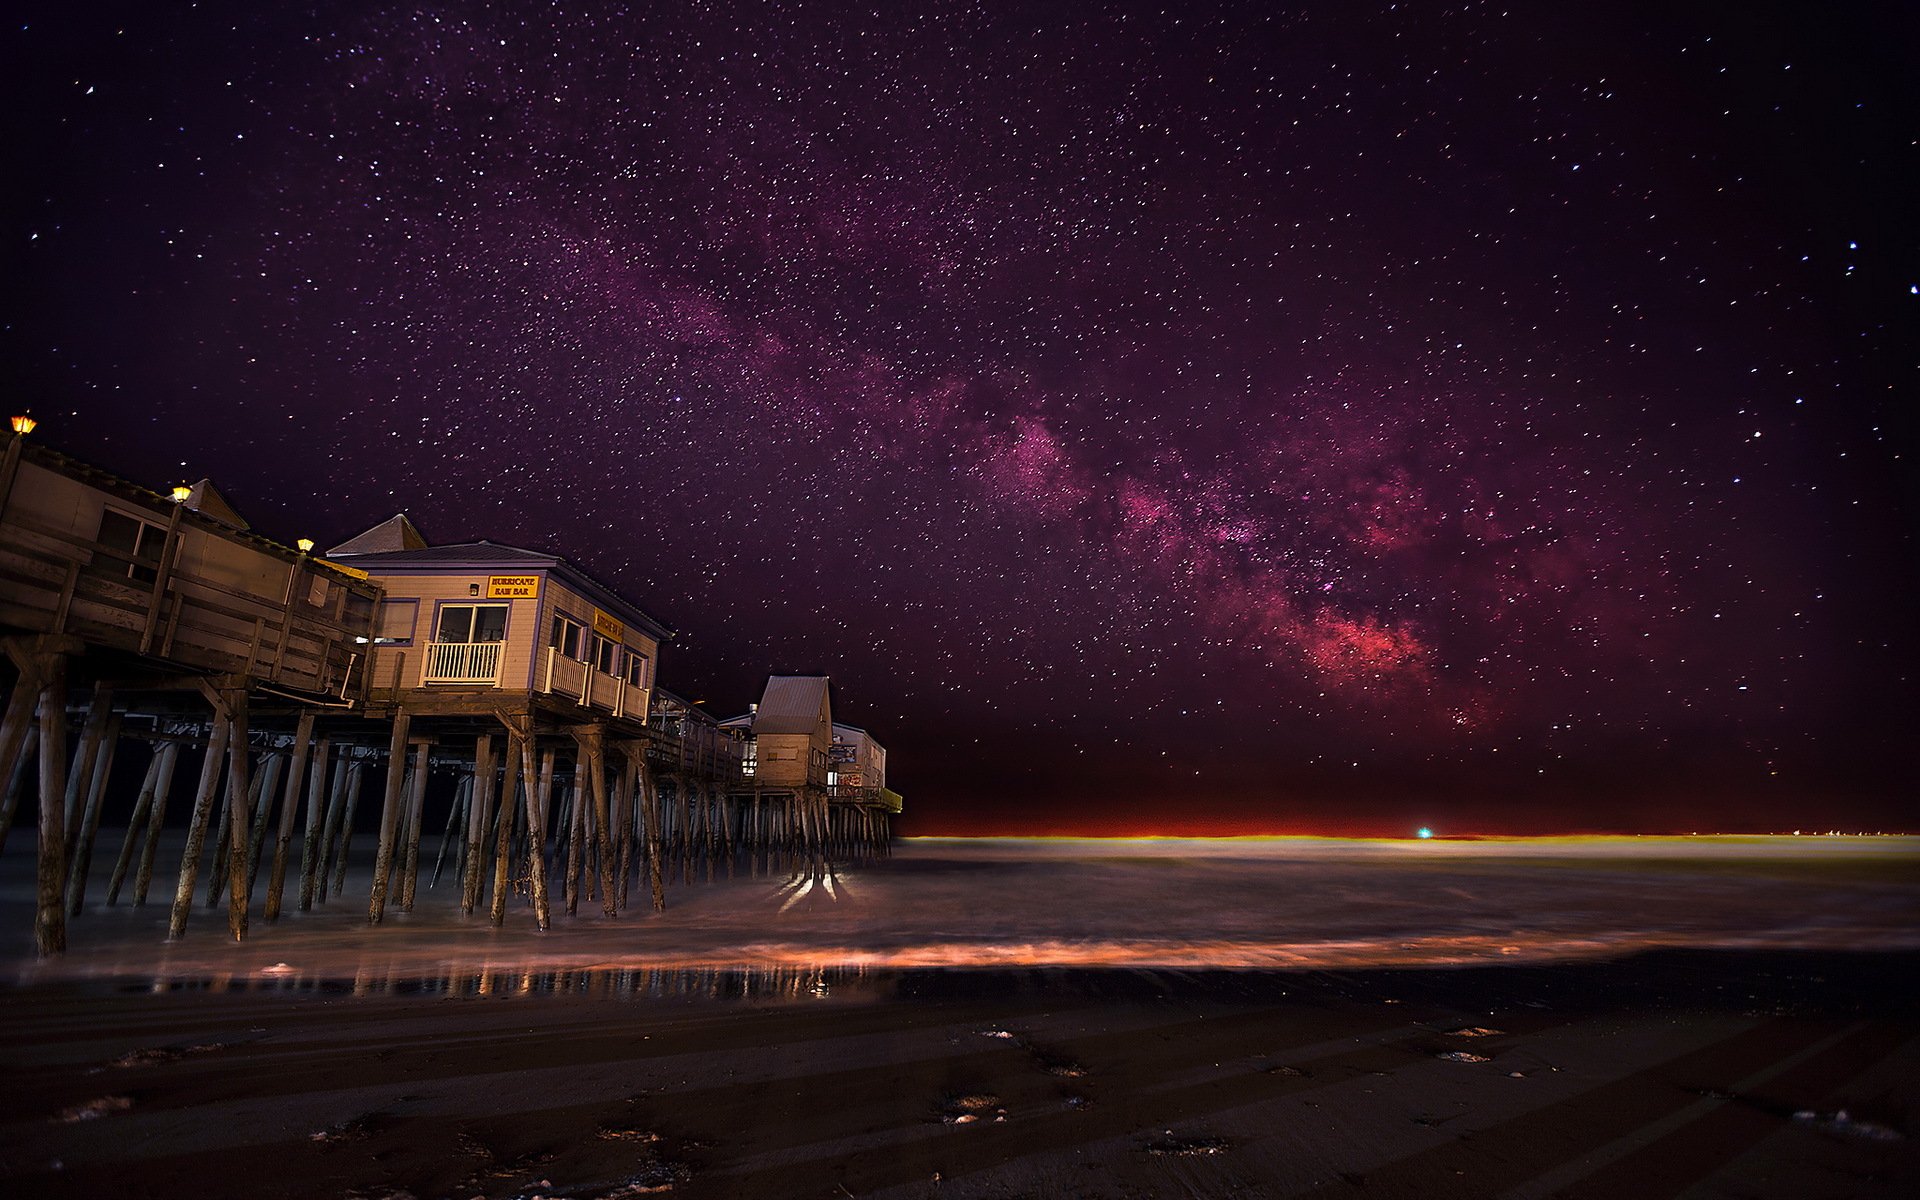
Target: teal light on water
{"points": [[1423, 831]]}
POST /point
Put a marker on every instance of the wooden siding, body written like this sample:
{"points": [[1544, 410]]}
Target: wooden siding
{"points": [[569, 677], [525, 662], [789, 760], [402, 665], [212, 600]]}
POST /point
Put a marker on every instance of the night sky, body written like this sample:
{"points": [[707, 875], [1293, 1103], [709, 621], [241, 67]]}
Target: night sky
{"points": [[1213, 418]]}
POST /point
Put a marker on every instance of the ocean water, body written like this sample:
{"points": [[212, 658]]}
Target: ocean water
{"points": [[1170, 904]]}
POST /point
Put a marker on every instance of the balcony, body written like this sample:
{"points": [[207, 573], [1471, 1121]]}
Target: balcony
{"points": [[462, 662], [579, 681]]}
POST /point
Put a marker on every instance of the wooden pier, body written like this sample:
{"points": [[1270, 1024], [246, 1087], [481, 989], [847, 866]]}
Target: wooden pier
{"points": [[498, 695]]}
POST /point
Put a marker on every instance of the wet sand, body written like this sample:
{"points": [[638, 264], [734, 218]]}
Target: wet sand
{"points": [[1675, 1073], [1665, 1017]]}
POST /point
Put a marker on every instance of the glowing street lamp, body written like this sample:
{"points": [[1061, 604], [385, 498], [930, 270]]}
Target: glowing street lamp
{"points": [[181, 492], [306, 545], [24, 423]]}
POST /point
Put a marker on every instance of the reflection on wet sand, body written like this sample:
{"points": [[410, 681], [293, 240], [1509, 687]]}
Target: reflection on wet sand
{"points": [[658, 983]]}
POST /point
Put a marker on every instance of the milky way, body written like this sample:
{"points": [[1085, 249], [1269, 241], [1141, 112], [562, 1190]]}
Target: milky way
{"points": [[1224, 417]]}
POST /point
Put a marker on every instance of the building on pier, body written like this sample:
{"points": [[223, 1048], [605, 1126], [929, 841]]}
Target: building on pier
{"points": [[379, 677], [792, 751], [789, 735], [857, 770], [154, 586], [464, 629], [179, 627]]}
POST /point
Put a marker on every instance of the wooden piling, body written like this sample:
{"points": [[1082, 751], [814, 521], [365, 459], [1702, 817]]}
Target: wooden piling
{"points": [[289, 809], [221, 732], [156, 822], [80, 773], [503, 827], [333, 842], [479, 808], [623, 817], [237, 790], [50, 914], [462, 797], [576, 826], [142, 813], [389, 817], [82, 863], [537, 832], [223, 835], [356, 787], [265, 789], [16, 733], [310, 844], [597, 780], [416, 813], [650, 814]]}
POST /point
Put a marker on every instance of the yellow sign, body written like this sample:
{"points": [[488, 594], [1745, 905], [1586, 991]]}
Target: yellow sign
{"points": [[607, 627], [513, 587]]}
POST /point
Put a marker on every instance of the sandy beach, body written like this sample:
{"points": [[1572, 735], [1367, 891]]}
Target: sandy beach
{"points": [[298, 1066]]}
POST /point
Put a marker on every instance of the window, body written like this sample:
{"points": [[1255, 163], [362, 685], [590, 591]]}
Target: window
{"points": [[565, 636], [136, 540], [604, 653], [473, 623], [636, 669], [395, 622]]}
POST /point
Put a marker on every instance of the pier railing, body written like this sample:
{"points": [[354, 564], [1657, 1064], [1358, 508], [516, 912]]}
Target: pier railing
{"points": [[171, 585]]}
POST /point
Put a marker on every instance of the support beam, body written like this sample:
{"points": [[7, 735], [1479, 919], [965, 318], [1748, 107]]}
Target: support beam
{"points": [[16, 730], [197, 826], [142, 814], [80, 776], [310, 848], [156, 822], [650, 814], [389, 817], [82, 863], [236, 699], [479, 807], [503, 827], [538, 802], [416, 812], [343, 857], [289, 808], [50, 914]]}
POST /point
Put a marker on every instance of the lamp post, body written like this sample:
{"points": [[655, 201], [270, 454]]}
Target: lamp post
{"points": [[10, 461]]}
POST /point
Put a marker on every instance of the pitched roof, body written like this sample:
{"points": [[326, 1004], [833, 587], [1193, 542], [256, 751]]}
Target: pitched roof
{"points": [[792, 704], [464, 552], [394, 533], [206, 500]]}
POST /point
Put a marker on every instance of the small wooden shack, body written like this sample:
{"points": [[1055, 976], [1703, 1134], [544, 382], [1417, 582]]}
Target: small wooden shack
{"points": [[857, 770], [789, 741]]}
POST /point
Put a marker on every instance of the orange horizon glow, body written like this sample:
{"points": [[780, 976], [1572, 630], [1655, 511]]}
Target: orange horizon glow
{"points": [[1362, 830]]}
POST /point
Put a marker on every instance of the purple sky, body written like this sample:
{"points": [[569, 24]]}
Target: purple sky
{"points": [[1234, 417]]}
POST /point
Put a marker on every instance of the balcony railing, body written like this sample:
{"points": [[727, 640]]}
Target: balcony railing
{"points": [[594, 688], [462, 662]]}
